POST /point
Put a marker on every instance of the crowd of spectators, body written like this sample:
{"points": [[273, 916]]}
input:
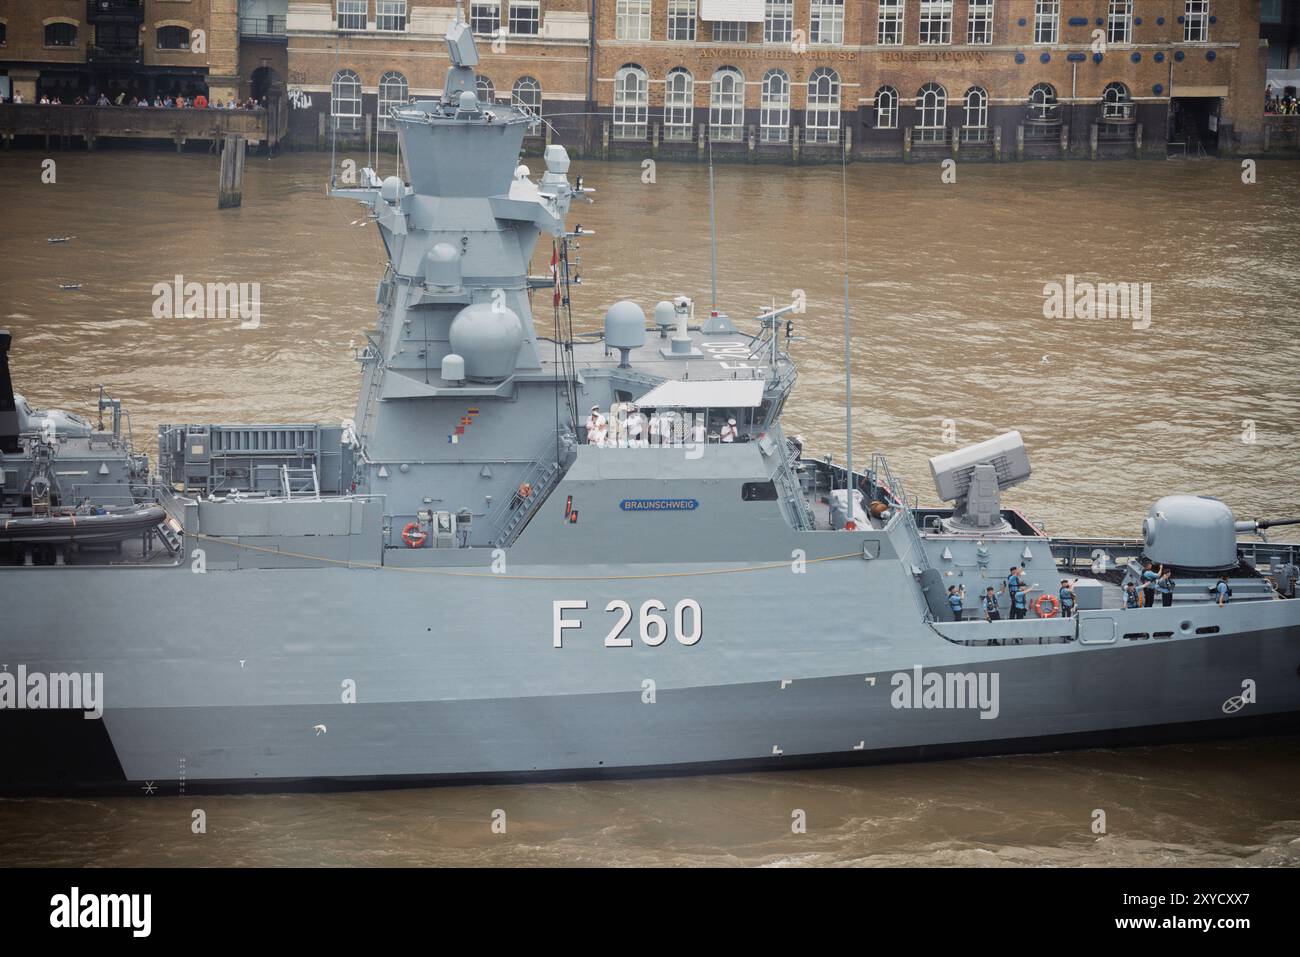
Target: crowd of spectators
{"points": [[171, 102]]}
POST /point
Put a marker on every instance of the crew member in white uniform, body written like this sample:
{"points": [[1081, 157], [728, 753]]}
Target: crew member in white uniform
{"points": [[597, 428], [728, 432], [635, 427]]}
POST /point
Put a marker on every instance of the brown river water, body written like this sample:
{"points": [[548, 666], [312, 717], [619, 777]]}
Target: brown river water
{"points": [[947, 312]]}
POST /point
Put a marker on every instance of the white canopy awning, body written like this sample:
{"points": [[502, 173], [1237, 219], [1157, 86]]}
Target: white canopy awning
{"points": [[705, 394], [735, 11]]}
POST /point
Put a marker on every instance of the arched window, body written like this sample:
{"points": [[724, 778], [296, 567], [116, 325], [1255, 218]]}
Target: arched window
{"points": [[774, 115], [931, 111], [1043, 107], [527, 93], [173, 38], [823, 113], [345, 100], [977, 108], [392, 92], [1116, 104], [631, 103], [886, 108], [679, 104], [726, 105], [60, 35], [484, 89]]}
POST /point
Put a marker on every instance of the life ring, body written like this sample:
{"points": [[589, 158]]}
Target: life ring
{"points": [[414, 535], [1042, 600]]}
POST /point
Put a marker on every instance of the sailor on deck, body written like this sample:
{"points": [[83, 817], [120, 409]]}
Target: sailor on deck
{"points": [[635, 427], [955, 595], [991, 610], [597, 427], [728, 432], [1015, 586]]}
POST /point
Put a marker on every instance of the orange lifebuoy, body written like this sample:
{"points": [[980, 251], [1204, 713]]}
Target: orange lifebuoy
{"points": [[1046, 600], [414, 535]]}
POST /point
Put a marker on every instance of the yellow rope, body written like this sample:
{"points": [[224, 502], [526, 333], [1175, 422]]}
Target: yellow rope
{"points": [[372, 566]]}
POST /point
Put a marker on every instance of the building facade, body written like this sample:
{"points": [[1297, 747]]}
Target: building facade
{"points": [[350, 60], [70, 48], [890, 78]]}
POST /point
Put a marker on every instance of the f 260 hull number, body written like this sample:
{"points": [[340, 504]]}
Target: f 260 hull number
{"points": [[687, 622]]}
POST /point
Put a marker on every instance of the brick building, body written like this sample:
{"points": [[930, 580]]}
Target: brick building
{"points": [[86, 47], [348, 60], [890, 78]]}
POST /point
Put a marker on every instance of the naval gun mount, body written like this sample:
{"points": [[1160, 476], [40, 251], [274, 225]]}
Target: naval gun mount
{"points": [[973, 479]]}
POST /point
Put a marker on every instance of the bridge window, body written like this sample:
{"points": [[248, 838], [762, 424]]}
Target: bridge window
{"points": [[173, 38], [679, 104], [60, 35], [351, 14], [681, 20], [758, 492], [345, 100], [392, 92], [886, 108], [525, 17], [774, 115], [527, 93], [390, 15]]}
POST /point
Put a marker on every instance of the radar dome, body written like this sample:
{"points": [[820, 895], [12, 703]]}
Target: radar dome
{"points": [[488, 337], [392, 189], [665, 316], [442, 266], [624, 328], [1191, 531]]}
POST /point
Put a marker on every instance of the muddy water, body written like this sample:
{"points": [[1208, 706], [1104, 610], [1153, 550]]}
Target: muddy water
{"points": [[947, 312]]}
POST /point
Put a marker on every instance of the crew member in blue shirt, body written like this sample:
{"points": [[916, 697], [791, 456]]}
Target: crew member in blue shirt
{"points": [[1222, 591], [991, 610], [1165, 586], [1015, 586], [1131, 599], [1149, 579], [955, 594], [1066, 595]]}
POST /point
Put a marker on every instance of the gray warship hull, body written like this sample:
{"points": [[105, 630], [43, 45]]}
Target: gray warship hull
{"points": [[195, 699]]}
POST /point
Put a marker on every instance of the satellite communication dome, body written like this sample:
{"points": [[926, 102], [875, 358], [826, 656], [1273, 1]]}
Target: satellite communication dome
{"points": [[442, 266], [1191, 531], [665, 317], [453, 368], [392, 189], [624, 328], [468, 102], [488, 337]]}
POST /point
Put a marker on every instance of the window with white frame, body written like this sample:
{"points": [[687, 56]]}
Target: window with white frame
{"points": [[525, 17], [1196, 21], [730, 31], [774, 112], [977, 113], [822, 117], [886, 108], [931, 111], [527, 92], [826, 24], [778, 21], [979, 21], [1119, 22], [1116, 104], [726, 105], [681, 20], [345, 100], [936, 21], [1047, 20], [679, 104], [390, 15], [485, 18], [393, 90], [484, 89], [889, 23], [631, 103], [351, 14], [632, 20], [1043, 107]]}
